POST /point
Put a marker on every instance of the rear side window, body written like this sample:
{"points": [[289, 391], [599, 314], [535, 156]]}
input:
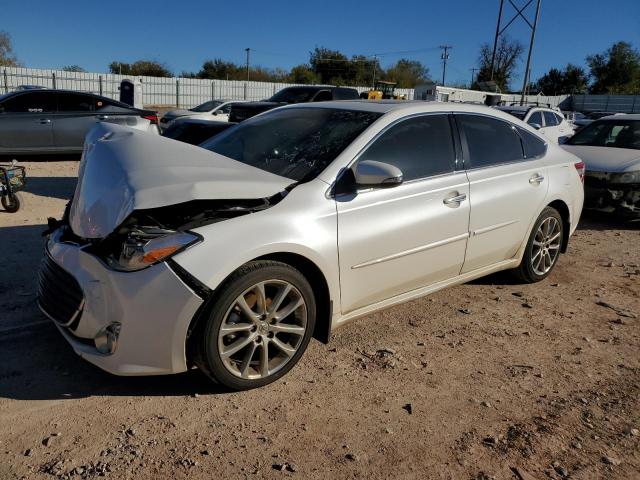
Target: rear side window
{"points": [[420, 147], [533, 146], [490, 141], [550, 119], [32, 102], [536, 117], [75, 102], [560, 118]]}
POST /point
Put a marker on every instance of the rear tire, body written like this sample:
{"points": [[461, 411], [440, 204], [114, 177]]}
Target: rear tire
{"points": [[11, 203], [543, 248], [258, 326]]}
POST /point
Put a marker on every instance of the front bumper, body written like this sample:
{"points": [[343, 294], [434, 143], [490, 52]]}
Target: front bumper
{"points": [[154, 308], [601, 195]]}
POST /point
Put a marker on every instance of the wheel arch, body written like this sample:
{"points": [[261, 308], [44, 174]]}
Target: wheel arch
{"points": [[565, 214]]}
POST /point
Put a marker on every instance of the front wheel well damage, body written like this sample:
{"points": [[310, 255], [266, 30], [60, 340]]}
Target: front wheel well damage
{"points": [[312, 273], [565, 214]]}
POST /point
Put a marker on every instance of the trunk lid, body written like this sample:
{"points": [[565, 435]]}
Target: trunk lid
{"points": [[123, 170]]}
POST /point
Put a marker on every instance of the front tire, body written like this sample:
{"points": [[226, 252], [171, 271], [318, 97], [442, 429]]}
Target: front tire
{"points": [[11, 203], [543, 248], [258, 326]]}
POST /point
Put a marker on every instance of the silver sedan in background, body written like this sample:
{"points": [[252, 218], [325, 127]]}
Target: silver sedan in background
{"points": [[56, 121], [231, 255]]}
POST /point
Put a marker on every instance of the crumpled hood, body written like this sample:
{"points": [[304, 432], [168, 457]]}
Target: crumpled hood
{"points": [[606, 159], [123, 170]]}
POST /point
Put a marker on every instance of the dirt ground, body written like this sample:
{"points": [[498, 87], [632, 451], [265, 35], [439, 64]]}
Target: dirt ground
{"points": [[488, 380]]}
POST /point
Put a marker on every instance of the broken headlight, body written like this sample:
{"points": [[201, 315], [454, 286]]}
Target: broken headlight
{"points": [[626, 177], [144, 247]]}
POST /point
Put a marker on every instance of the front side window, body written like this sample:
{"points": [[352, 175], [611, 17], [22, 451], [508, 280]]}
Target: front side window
{"points": [[296, 143], [420, 147], [490, 141], [535, 118], [32, 102], [609, 133]]}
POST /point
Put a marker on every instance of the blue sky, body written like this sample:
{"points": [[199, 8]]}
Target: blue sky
{"points": [[51, 34]]}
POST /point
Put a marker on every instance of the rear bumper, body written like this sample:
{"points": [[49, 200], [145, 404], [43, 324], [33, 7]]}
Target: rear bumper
{"points": [[153, 308]]}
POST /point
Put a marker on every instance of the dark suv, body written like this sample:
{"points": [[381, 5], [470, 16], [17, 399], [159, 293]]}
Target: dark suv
{"points": [[242, 111]]}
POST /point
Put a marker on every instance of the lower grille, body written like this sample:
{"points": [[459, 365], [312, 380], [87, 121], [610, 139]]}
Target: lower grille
{"points": [[59, 294]]}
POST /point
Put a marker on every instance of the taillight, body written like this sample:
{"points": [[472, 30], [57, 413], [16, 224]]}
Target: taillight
{"points": [[580, 167], [152, 118]]}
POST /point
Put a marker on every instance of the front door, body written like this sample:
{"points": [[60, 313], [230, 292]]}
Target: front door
{"points": [[394, 240], [26, 122]]}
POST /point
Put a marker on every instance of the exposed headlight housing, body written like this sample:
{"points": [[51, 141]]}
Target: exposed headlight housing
{"points": [[626, 177], [145, 247]]}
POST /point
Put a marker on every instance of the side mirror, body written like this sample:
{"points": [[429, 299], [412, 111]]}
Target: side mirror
{"points": [[216, 112], [537, 126], [369, 173]]}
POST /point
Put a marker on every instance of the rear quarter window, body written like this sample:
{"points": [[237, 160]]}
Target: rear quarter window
{"points": [[533, 146]]}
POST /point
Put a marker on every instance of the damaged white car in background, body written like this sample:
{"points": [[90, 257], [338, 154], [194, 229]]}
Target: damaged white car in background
{"points": [[610, 149], [232, 255]]}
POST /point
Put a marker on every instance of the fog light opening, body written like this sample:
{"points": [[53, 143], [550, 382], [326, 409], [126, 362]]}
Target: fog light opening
{"points": [[107, 338]]}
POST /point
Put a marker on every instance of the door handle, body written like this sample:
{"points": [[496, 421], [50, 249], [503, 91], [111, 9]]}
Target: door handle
{"points": [[45, 121], [536, 179], [455, 200]]}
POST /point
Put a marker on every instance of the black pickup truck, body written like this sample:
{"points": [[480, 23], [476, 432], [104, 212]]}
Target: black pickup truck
{"points": [[242, 111]]}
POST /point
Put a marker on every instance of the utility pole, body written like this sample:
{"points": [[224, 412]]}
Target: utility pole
{"points": [[247, 50], [473, 71], [495, 40], [527, 70], [444, 57], [375, 66]]}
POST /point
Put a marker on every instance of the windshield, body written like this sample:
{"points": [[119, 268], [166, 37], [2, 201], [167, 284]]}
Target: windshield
{"points": [[609, 133], [296, 143], [206, 106], [294, 95]]}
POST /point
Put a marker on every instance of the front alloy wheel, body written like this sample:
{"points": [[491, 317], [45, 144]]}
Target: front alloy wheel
{"points": [[259, 325]]}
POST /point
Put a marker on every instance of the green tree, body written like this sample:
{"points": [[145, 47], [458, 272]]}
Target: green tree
{"points": [[73, 68], [571, 80], [508, 53], [615, 71], [150, 68], [331, 66], [302, 74], [408, 73], [7, 58]]}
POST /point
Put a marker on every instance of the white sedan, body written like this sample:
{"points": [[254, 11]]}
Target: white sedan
{"points": [[214, 110], [230, 256]]}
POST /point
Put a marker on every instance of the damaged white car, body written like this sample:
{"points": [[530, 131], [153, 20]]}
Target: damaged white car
{"points": [[610, 149], [232, 255]]}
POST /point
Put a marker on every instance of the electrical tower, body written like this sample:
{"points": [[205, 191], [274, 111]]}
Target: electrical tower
{"points": [[500, 31], [444, 57]]}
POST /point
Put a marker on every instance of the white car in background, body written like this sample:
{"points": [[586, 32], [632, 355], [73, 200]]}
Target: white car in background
{"points": [[550, 122], [610, 149], [214, 110], [231, 255]]}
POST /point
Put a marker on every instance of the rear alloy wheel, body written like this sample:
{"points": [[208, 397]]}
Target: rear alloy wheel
{"points": [[543, 249], [259, 326]]}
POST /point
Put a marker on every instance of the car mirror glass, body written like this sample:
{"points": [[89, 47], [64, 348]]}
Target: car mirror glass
{"points": [[537, 126]]}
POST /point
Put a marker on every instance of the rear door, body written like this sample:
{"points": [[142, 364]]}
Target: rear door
{"points": [[75, 117], [507, 188], [26, 122], [394, 240], [551, 126]]}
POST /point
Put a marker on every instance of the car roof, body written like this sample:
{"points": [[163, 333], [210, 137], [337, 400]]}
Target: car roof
{"points": [[622, 116], [406, 106]]}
